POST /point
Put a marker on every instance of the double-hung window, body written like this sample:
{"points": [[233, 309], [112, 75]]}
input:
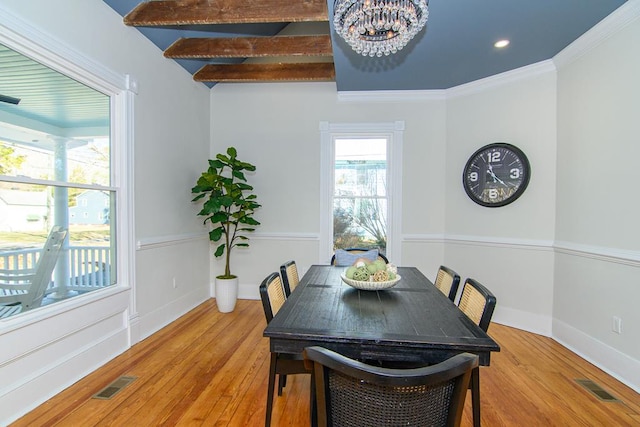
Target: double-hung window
{"points": [[361, 186], [56, 173]]}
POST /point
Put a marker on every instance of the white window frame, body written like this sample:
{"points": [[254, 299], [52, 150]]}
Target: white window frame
{"points": [[32, 42], [393, 132]]}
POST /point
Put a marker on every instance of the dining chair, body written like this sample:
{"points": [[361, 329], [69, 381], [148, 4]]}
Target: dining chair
{"points": [[290, 278], [355, 252], [281, 364], [478, 303], [349, 392], [448, 281]]}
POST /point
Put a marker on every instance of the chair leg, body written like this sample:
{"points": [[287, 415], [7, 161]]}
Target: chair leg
{"points": [[313, 405], [475, 396], [282, 383], [272, 383]]}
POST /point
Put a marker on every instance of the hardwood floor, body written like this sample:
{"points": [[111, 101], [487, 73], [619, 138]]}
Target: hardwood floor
{"points": [[210, 369]]}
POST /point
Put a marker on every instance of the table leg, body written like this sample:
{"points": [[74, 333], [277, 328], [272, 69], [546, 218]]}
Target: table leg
{"points": [[475, 396]]}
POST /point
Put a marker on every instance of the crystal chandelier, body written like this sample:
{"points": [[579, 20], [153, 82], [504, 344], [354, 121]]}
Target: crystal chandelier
{"points": [[377, 27]]}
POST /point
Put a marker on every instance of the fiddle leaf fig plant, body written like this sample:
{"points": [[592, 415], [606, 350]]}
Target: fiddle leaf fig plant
{"points": [[229, 205]]}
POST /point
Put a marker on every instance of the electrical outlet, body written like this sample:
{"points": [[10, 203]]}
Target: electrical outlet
{"points": [[617, 325]]}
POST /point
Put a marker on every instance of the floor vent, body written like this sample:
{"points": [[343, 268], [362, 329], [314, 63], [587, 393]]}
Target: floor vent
{"points": [[114, 388], [597, 391]]}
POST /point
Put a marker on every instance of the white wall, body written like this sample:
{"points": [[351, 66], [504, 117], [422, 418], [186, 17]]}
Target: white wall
{"points": [[579, 282], [276, 127], [508, 248], [597, 273], [52, 348], [554, 265]]}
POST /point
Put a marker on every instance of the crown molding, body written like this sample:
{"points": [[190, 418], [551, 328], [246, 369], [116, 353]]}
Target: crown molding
{"points": [[477, 86], [615, 22], [31, 41], [502, 79], [392, 96]]}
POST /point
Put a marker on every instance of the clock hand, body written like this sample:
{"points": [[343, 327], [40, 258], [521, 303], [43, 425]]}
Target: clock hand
{"points": [[493, 175]]}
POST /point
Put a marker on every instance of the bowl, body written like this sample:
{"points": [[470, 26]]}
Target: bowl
{"points": [[370, 285]]}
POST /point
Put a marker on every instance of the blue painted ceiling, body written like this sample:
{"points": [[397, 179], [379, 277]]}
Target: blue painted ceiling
{"points": [[456, 47]]}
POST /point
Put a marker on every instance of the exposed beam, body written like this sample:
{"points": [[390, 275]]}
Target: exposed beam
{"points": [[250, 47], [317, 71], [194, 12]]}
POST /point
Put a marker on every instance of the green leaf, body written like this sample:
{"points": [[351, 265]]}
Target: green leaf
{"points": [[219, 251], [247, 166], [216, 234], [216, 164], [219, 217], [250, 221]]}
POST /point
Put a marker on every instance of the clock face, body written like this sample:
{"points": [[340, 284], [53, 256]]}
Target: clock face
{"points": [[496, 175]]}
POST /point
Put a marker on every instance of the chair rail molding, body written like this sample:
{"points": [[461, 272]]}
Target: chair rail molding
{"points": [[602, 253], [146, 243], [313, 237]]}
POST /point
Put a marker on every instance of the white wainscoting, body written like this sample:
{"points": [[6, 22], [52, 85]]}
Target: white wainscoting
{"points": [[172, 278], [618, 364], [607, 358], [49, 349]]}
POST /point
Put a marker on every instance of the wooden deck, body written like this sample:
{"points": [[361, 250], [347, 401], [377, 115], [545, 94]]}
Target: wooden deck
{"points": [[209, 368]]}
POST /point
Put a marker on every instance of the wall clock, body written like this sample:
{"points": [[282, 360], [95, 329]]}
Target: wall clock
{"points": [[496, 174]]}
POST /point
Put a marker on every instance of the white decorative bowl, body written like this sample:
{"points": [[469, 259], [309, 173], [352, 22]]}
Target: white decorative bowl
{"points": [[370, 285]]}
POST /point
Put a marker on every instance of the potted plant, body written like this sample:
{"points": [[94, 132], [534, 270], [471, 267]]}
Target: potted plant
{"points": [[229, 207]]}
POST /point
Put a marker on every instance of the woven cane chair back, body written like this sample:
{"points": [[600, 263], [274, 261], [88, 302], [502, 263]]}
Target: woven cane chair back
{"points": [[478, 303], [272, 295], [352, 393], [447, 281], [290, 278]]}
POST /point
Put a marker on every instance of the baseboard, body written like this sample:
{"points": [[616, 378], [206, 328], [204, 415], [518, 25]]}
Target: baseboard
{"points": [[150, 323], [249, 291], [52, 379], [530, 322], [615, 363]]}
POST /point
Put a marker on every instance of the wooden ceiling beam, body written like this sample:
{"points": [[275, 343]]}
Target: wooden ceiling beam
{"points": [[317, 71], [250, 47], [204, 12]]}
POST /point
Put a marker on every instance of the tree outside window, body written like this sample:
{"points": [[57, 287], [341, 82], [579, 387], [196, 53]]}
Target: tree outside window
{"points": [[360, 199]]}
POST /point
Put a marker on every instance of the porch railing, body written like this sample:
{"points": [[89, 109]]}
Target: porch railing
{"points": [[89, 266]]}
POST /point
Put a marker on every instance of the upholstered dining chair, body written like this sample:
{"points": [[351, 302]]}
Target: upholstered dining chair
{"points": [[349, 392], [290, 278], [448, 281], [478, 303], [282, 364], [355, 252]]}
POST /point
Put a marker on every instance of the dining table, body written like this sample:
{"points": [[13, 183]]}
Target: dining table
{"points": [[412, 323]]}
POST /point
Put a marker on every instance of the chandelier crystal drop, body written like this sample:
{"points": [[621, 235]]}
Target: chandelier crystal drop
{"points": [[379, 27]]}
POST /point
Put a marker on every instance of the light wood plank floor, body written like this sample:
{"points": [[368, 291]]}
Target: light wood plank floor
{"points": [[210, 369]]}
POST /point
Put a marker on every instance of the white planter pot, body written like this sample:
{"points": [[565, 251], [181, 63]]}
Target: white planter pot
{"points": [[226, 294]]}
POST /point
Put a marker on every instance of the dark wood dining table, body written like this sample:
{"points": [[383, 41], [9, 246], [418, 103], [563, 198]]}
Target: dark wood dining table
{"points": [[412, 322]]}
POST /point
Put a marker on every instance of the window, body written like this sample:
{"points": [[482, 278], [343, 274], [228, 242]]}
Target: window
{"points": [[361, 187], [56, 171], [360, 193]]}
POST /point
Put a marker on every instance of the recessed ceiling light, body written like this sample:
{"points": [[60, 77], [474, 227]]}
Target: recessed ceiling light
{"points": [[501, 43]]}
